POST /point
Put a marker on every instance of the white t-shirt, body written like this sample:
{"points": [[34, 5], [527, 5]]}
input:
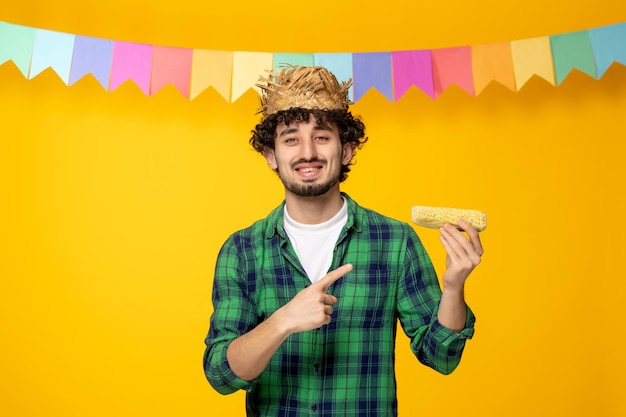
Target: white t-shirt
{"points": [[315, 243]]}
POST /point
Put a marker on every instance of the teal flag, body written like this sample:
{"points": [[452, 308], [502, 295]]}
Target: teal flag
{"points": [[54, 50], [572, 51], [16, 44], [609, 45], [339, 64], [281, 60]]}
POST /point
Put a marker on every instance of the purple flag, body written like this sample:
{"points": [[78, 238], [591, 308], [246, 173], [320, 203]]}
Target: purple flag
{"points": [[372, 70], [92, 56]]}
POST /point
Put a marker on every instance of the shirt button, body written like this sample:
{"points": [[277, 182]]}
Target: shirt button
{"points": [[313, 407]]}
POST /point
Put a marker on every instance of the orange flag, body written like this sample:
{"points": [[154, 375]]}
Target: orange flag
{"points": [[492, 62]]}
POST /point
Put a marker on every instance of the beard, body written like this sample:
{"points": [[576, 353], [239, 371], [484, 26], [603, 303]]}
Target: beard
{"points": [[311, 189]]}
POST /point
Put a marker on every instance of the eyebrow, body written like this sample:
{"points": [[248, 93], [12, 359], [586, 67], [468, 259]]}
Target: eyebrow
{"points": [[290, 130]]}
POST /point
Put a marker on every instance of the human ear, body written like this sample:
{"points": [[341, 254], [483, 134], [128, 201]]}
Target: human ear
{"points": [[348, 153], [270, 157]]}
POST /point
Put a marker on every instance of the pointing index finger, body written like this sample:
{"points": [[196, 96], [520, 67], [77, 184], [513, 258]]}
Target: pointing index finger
{"points": [[334, 275]]}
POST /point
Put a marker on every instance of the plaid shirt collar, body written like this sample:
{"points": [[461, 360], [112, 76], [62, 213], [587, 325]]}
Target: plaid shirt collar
{"points": [[275, 220]]}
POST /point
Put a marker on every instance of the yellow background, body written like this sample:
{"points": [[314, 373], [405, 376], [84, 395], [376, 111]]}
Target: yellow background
{"points": [[114, 205]]}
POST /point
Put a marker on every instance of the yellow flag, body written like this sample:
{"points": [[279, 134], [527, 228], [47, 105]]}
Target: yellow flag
{"points": [[211, 69], [532, 57], [247, 67]]}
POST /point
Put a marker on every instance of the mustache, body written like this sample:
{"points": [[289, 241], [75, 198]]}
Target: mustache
{"points": [[308, 161]]}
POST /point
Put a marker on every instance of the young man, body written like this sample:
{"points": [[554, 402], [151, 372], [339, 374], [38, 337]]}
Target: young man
{"points": [[306, 301]]}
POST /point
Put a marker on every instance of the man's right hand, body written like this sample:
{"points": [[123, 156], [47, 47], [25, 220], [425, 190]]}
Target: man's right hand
{"points": [[249, 354], [312, 307]]}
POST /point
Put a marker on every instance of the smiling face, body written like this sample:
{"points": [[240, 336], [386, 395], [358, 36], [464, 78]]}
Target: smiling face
{"points": [[308, 157]]}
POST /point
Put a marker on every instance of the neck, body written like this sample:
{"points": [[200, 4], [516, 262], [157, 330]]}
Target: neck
{"points": [[314, 210]]}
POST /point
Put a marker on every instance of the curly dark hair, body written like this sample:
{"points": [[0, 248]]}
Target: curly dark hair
{"points": [[351, 129]]}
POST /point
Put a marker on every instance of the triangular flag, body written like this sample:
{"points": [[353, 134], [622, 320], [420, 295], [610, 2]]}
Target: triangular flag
{"points": [[131, 61], [412, 68], [532, 57], [492, 62], [171, 65], [52, 50], [16, 44], [340, 64], [247, 68], [572, 50], [609, 45], [282, 60], [372, 70], [92, 56], [211, 69], [452, 66]]}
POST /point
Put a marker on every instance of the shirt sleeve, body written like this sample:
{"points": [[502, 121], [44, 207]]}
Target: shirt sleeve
{"points": [[233, 315], [418, 300]]}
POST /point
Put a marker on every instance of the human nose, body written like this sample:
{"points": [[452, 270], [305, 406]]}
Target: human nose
{"points": [[309, 151]]}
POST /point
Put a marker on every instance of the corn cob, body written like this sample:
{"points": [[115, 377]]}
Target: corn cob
{"points": [[435, 217]]}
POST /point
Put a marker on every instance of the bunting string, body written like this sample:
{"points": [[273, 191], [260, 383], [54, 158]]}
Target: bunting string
{"points": [[232, 73]]}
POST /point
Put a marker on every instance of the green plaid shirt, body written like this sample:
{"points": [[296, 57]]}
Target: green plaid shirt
{"points": [[345, 368]]}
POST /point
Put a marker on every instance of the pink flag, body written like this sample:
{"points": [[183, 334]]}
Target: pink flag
{"points": [[131, 61], [412, 68], [453, 66], [171, 65]]}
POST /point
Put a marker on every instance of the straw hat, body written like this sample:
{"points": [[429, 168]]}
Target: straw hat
{"points": [[306, 87]]}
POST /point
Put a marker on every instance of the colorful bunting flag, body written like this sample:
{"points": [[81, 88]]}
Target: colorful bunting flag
{"points": [[171, 65], [211, 69], [372, 71], [572, 51], [609, 45], [52, 50], [339, 64], [247, 67], [532, 57], [131, 61], [16, 44], [92, 56], [452, 66], [492, 62], [282, 60], [232, 73], [412, 68]]}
